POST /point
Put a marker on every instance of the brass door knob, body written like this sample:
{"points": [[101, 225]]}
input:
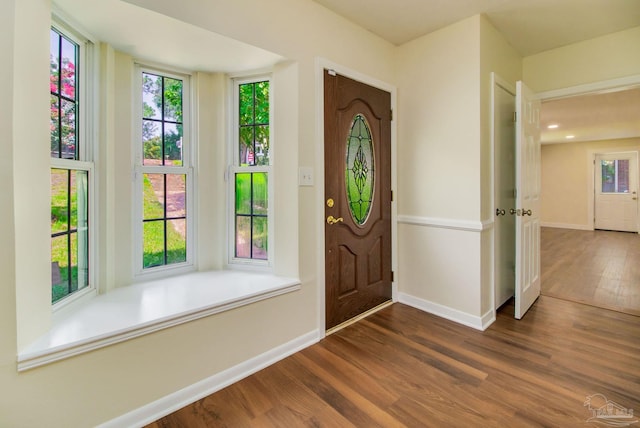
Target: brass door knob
{"points": [[332, 220]]}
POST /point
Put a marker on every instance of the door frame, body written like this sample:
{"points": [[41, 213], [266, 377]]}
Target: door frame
{"points": [[603, 86], [320, 66]]}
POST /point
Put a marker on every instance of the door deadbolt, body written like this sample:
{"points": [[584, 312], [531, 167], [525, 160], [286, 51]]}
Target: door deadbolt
{"points": [[330, 203]]}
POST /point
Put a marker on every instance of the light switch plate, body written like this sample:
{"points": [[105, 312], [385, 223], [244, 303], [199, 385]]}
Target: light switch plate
{"points": [[305, 176]]}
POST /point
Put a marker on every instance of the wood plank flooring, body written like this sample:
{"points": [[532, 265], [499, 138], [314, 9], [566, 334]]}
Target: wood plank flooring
{"points": [[599, 268], [403, 367]]}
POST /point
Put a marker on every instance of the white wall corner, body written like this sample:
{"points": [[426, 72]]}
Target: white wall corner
{"points": [[455, 315], [487, 319], [170, 403]]}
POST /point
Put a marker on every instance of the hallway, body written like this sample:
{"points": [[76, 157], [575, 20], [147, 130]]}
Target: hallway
{"points": [[598, 268]]}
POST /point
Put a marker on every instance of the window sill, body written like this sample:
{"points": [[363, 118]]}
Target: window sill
{"points": [[139, 309]]}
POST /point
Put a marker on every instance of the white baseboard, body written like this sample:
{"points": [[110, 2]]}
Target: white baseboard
{"points": [[473, 321], [566, 226], [179, 399]]}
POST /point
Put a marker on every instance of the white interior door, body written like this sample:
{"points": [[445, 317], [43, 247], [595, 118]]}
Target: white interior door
{"points": [[527, 199], [505, 183], [616, 191]]}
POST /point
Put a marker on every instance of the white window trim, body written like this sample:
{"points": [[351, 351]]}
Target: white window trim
{"points": [[187, 168], [88, 139], [233, 168]]}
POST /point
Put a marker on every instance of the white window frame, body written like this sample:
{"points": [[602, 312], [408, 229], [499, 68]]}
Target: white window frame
{"points": [[187, 169], [88, 138], [234, 167]]}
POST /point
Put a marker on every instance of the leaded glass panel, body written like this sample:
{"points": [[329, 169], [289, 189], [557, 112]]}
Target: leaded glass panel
{"points": [[359, 172]]}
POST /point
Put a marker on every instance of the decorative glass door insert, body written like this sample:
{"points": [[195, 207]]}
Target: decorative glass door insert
{"points": [[359, 173]]}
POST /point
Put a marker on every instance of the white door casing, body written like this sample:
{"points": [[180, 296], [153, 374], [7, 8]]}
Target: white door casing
{"points": [[528, 181], [616, 191]]}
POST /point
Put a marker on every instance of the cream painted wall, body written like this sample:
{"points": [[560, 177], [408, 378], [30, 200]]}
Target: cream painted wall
{"points": [[95, 387], [8, 333], [567, 174], [439, 123], [499, 57], [31, 176], [444, 149], [603, 58], [439, 155]]}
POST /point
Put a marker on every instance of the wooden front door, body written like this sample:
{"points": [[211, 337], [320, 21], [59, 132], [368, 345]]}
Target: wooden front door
{"points": [[357, 153]]}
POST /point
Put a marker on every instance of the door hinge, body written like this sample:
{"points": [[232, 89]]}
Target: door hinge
{"points": [[391, 115], [392, 276], [392, 196], [515, 116]]}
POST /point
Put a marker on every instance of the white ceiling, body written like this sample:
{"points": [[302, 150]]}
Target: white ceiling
{"points": [[531, 26], [179, 44], [593, 117]]}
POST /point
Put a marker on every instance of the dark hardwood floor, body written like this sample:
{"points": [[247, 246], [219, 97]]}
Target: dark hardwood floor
{"points": [[599, 268], [404, 367]]}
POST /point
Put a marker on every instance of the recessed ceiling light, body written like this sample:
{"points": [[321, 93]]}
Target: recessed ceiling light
{"points": [[568, 137], [554, 126]]}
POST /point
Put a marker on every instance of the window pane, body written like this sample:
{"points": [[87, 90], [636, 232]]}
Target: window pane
{"points": [[54, 126], [172, 144], [608, 176], [176, 241], [152, 142], [622, 175], [260, 194], [615, 176], [54, 61], [243, 193], [69, 232], [59, 201], [246, 146], [153, 196], [164, 226], [68, 69], [68, 129], [59, 267], [151, 96], [176, 195], [243, 237], [63, 105], [153, 243], [262, 102], [259, 247], [172, 100], [246, 104], [262, 145]]}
